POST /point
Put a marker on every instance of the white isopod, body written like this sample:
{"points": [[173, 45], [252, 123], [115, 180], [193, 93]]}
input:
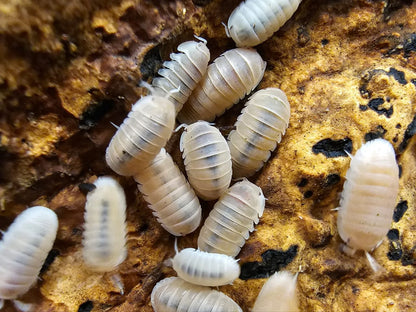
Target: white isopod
{"points": [[204, 268], [174, 294], [23, 250], [207, 159], [183, 72], [259, 128], [104, 242], [142, 134], [233, 74], [230, 221], [368, 198], [278, 294], [254, 21], [170, 196]]}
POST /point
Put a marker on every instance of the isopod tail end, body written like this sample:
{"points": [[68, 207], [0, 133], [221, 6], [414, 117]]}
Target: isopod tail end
{"points": [[116, 279], [375, 266], [21, 306], [227, 31]]}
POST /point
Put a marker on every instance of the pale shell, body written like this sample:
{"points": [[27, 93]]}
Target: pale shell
{"points": [[169, 195], [259, 128], [229, 78], [254, 21], [228, 225]]}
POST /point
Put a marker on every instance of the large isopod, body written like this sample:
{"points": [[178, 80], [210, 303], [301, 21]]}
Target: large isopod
{"points": [[170, 196], [369, 197], [207, 159], [104, 242], [278, 294], [142, 134], [24, 249], [181, 75], [259, 128], [229, 78], [205, 268], [173, 294], [228, 225], [254, 21]]}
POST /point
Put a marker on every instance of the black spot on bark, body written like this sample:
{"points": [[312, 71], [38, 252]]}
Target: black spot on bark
{"points": [[400, 210], [363, 107], [308, 194], [85, 188], [400, 171], [413, 81], [303, 36], [395, 249], [94, 113], [324, 42], [332, 179], [333, 148], [86, 306], [378, 133], [398, 75], [49, 259], [408, 134], [393, 5], [409, 46], [272, 261], [374, 105], [408, 257], [151, 63], [393, 235], [303, 182]]}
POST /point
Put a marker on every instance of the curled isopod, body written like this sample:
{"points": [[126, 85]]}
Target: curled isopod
{"points": [[24, 249], [254, 21], [174, 294], [233, 74], [369, 197], [278, 294], [230, 221], [170, 196], [142, 134], [207, 159], [183, 72], [104, 242], [205, 268], [259, 128]]}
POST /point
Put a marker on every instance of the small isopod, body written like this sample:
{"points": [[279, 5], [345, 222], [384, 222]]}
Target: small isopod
{"points": [[205, 268], [170, 196], [207, 159], [105, 226], [230, 221], [142, 134], [259, 128], [229, 78], [278, 294], [183, 72], [24, 249], [368, 198], [254, 21], [174, 294]]}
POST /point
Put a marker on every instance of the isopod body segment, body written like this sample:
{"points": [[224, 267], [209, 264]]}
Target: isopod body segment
{"points": [[204, 268], [254, 21], [170, 196], [142, 134], [234, 214], [259, 128], [181, 75], [229, 78], [174, 294], [105, 226], [24, 249], [369, 196], [207, 159], [278, 294]]}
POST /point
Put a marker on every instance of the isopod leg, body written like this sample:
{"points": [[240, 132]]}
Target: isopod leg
{"points": [[21, 306], [347, 250], [375, 266], [1, 303], [116, 279]]}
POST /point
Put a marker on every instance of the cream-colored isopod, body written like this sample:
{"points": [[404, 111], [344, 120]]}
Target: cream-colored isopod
{"points": [[369, 197], [104, 242], [259, 128], [24, 249], [170, 196], [142, 134], [173, 294], [207, 159], [205, 268], [181, 75], [254, 21], [229, 78], [228, 225]]}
